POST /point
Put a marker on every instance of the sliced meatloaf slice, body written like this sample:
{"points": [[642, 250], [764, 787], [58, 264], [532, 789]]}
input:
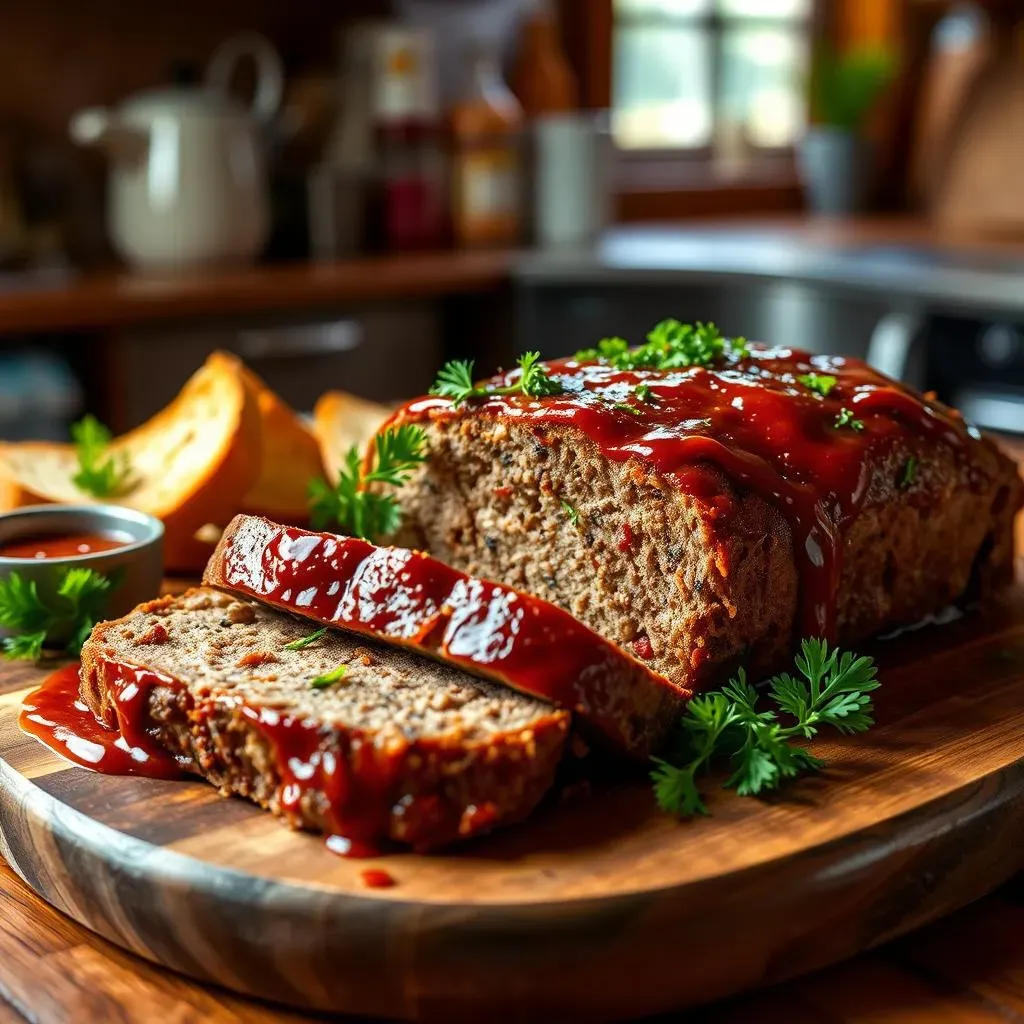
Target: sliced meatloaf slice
{"points": [[407, 598], [710, 516], [343, 736]]}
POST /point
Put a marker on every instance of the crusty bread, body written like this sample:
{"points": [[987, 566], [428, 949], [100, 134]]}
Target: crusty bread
{"points": [[341, 420], [398, 748], [191, 463], [289, 458], [412, 600]]}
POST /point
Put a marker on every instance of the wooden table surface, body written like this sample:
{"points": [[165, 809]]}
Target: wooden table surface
{"points": [[966, 968]]}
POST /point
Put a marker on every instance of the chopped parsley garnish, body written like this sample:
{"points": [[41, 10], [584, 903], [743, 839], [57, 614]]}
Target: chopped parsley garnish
{"points": [[305, 641], [99, 474], [81, 598], [574, 516], [727, 725], [626, 407], [353, 509], [644, 394], [455, 381], [909, 473], [820, 383], [329, 678], [671, 345], [845, 418]]}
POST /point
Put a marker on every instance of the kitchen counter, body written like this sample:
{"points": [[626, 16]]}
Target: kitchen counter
{"points": [[62, 302], [903, 259]]}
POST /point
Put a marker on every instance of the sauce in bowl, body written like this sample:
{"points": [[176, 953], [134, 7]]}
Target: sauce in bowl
{"points": [[60, 545]]}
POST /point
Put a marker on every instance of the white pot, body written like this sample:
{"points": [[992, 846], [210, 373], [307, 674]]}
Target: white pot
{"points": [[188, 185]]}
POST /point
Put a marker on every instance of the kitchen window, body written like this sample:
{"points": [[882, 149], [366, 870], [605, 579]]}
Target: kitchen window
{"points": [[696, 78]]}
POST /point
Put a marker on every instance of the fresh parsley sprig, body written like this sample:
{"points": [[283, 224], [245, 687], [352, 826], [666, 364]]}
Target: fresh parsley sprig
{"points": [[329, 678], [831, 689], [820, 383], [100, 474], [455, 381], [845, 418], [305, 641], [81, 600], [349, 505], [671, 345]]}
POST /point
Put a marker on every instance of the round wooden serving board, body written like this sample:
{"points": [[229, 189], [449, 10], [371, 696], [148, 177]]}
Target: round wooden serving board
{"points": [[600, 907]]}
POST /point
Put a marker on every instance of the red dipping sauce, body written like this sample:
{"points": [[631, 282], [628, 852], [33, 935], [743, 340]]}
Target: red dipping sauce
{"points": [[60, 545]]}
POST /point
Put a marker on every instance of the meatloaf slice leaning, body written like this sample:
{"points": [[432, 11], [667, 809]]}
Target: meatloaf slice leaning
{"points": [[715, 514], [407, 598], [390, 746]]}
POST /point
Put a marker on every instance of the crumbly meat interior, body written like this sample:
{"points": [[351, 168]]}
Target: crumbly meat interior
{"points": [[225, 649], [693, 592], [624, 551]]}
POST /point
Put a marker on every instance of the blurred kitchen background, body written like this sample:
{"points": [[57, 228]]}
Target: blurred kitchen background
{"points": [[349, 194]]}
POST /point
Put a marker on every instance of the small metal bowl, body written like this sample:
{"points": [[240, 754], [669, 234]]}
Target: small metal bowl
{"points": [[136, 566]]}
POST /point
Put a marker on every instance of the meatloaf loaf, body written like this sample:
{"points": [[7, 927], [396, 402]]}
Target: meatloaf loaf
{"points": [[715, 512], [343, 736], [407, 598]]}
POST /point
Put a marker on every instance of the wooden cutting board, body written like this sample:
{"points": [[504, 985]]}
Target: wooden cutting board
{"points": [[600, 907]]}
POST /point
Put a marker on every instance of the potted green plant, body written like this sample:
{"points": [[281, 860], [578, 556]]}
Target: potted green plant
{"points": [[834, 157]]}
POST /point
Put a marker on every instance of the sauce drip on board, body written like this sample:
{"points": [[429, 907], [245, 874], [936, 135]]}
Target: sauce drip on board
{"points": [[55, 716], [754, 421], [60, 545]]}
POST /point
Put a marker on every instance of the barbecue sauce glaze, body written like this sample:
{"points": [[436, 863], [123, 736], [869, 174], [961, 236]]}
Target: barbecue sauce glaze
{"points": [[356, 817], [753, 421], [408, 598]]}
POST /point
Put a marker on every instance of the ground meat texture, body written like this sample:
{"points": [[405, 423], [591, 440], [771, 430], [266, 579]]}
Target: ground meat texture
{"points": [[423, 747], [700, 593]]}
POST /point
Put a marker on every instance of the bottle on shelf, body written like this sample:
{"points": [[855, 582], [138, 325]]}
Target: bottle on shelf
{"points": [[486, 158], [541, 76]]}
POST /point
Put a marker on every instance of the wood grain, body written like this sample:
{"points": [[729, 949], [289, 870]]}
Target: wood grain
{"points": [[590, 911]]}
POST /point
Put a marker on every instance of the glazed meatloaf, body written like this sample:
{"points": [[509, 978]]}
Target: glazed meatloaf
{"points": [[340, 735], [705, 502], [408, 598]]}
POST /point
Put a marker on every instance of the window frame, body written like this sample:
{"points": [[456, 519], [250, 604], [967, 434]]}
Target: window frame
{"points": [[669, 183]]}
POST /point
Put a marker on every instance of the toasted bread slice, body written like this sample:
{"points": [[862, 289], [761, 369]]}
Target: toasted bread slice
{"points": [[341, 420], [289, 459], [192, 463]]}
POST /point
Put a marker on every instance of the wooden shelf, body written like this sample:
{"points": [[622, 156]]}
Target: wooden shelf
{"points": [[35, 305]]}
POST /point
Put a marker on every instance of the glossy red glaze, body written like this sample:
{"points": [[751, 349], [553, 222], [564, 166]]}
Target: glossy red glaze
{"points": [[55, 716], [413, 600], [310, 761], [754, 421], [59, 545]]}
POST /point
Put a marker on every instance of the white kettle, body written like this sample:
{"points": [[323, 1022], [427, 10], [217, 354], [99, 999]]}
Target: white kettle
{"points": [[188, 181]]}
